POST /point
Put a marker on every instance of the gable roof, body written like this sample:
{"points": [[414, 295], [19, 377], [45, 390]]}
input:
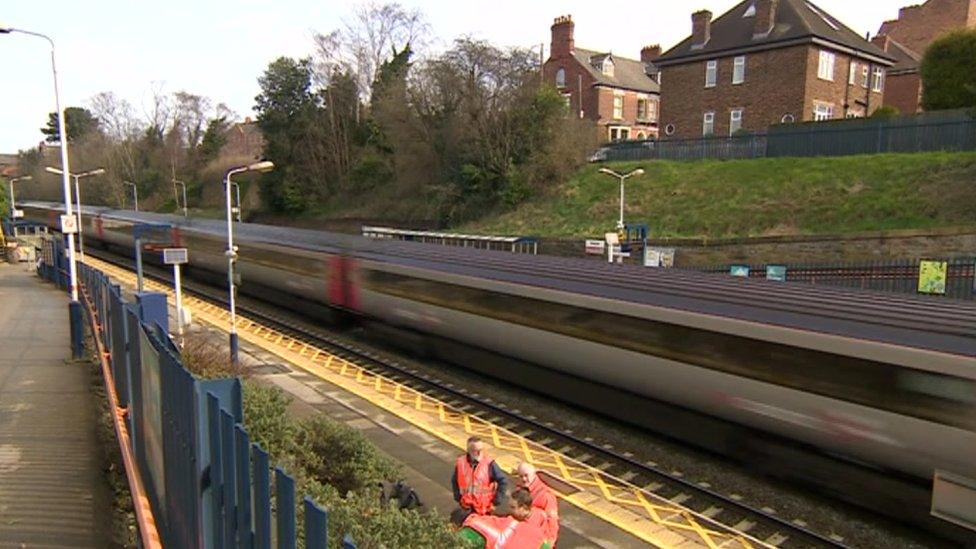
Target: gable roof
{"points": [[906, 60], [630, 74], [796, 22]]}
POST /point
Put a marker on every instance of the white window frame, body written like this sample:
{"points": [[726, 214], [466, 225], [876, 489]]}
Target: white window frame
{"points": [[865, 76], [739, 69], [618, 131], [561, 78], [735, 117], [652, 108], [877, 79], [708, 124], [825, 70], [822, 111], [618, 114], [642, 99], [711, 73], [852, 77], [607, 67]]}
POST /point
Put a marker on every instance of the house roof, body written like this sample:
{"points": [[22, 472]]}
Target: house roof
{"points": [[627, 73], [906, 59], [796, 22]]}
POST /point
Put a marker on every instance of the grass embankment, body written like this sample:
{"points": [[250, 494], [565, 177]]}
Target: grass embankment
{"points": [[772, 196]]}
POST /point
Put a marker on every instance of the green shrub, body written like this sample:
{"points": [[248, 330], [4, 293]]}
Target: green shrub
{"points": [[341, 457], [267, 420]]}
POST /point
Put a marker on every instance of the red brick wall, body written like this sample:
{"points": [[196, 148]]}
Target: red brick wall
{"points": [[773, 87], [597, 100], [917, 26], [839, 92], [904, 92], [777, 83]]}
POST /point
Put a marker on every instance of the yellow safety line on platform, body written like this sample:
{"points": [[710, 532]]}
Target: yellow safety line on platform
{"points": [[631, 508]]}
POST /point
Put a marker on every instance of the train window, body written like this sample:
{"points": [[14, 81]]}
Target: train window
{"points": [[938, 386]]}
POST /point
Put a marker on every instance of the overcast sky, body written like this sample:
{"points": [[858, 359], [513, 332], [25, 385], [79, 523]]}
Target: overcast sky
{"points": [[218, 48]]}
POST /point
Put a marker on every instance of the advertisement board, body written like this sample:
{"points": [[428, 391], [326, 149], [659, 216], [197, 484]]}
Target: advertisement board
{"points": [[932, 277]]}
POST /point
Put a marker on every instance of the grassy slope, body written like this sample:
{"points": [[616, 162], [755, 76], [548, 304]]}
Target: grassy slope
{"points": [[758, 197]]}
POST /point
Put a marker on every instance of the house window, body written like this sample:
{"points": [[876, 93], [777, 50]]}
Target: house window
{"points": [[826, 69], [864, 76], [608, 67], [823, 111], [735, 121], [642, 108], [788, 119], [561, 78], [652, 111], [568, 100], [619, 134], [618, 106], [708, 124], [739, 70], [711, 73], [852, 78], [877, 83]]}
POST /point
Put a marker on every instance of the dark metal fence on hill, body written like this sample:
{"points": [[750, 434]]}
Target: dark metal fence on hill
{"points": [[899, 276], [935, 131]]}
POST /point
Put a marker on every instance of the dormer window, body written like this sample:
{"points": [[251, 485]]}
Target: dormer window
{"points": [[607, 67], [561, 78]]}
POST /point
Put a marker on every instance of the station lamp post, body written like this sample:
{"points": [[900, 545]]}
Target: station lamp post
{"points": [[77, 176], [13, 203], [231, 253], [622, 178], [74, 307], [175, 195], [135, 193]]}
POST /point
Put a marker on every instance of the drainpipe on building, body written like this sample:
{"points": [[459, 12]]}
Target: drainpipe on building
{"points": [[579, 91]]}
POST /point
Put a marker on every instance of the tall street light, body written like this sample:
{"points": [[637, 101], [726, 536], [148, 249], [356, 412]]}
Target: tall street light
{"points": [[135, 193], [231, 253], [77, 176], [622, 178], [181, 184], [74, 308], [13, 203]]}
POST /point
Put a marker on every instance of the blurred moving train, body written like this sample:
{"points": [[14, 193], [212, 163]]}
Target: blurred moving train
{"points": [[886, 382]]}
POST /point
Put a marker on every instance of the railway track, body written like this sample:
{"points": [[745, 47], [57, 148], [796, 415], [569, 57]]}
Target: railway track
{"points": [[721, 509]]}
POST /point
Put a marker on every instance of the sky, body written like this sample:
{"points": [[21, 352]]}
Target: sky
{"points": [[218, 48]]}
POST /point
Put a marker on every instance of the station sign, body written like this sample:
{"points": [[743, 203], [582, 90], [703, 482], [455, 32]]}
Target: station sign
{"points": [[596, 247], [932, 277], [175, 256], [776, 272], [739, 270], [69, 224], [659, 257]]}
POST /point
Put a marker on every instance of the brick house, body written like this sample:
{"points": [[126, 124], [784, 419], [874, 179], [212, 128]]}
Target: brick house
{"points": [[244, 140], [620, 95], [767, 62], [907, 38]]}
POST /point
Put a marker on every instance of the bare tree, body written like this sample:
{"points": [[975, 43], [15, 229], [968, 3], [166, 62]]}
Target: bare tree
{"points": [[190, 115], [366, 40], [159, 111]]}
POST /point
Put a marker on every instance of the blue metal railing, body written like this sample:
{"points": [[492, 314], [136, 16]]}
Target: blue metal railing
{"points": [[208, 485]]}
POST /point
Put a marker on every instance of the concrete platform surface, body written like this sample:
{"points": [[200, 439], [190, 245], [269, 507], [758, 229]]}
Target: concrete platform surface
{"points": [[52, 490]]}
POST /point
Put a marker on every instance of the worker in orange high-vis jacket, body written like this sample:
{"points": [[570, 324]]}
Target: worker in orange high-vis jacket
{"points": [[516, 531], [543, 499], [479, 483]]}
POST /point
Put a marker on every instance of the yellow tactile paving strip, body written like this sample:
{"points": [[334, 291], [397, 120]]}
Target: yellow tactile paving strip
{"points": [[643, 514]]}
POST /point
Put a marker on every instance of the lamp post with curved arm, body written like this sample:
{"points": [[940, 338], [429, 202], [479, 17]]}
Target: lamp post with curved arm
{"points": [[74, 306], [231, 253], [13, 203], [135, 193], [181, 184]]}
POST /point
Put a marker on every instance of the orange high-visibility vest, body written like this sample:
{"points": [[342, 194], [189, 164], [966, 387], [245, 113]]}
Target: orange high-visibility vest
{"points": [[476, 487], [545, 501], [506, 532]]}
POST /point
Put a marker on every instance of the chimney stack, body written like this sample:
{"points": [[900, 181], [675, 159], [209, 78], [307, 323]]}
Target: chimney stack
{"points": [[562, 36], [650, 53], [701, 27], [765, 16], [883, 41]]}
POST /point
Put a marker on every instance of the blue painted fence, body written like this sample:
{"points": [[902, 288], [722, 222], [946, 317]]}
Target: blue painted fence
{"points": [[208, 485]]}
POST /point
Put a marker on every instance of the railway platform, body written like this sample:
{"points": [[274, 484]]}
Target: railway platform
{"points": [[52, 490], [426, 436]]}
